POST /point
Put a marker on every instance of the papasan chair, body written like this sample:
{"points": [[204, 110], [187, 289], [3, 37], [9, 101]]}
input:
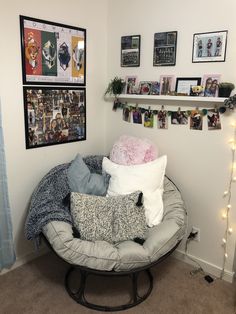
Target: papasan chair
{"points": [[50, 218]]}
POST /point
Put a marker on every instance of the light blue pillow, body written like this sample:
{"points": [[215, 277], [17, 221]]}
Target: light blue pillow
{"points": [[82, 180]]}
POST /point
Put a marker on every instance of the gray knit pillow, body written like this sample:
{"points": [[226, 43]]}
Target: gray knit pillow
{"points": [[112, 219]]}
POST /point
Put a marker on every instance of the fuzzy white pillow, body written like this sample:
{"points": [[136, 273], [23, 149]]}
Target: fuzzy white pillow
{"points": [[148, 178]]}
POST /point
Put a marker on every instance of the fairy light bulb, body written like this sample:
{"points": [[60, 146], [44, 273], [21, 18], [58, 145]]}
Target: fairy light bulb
{"points": [[234, 179], [233, 124], [224, 240], [225, 193], [233, 147], [231, 141], [229, 206], [234, 165], [224, 215], [226, 255], [230, 230]]}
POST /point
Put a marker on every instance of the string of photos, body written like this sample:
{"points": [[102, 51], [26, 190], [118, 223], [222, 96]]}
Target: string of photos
{"points": [[146, 116]]}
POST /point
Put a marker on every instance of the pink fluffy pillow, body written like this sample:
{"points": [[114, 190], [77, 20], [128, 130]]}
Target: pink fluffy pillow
{"points": [[130, 150]]}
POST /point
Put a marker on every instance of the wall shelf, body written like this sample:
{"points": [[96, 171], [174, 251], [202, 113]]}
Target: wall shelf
{"points": [[134, 98]]}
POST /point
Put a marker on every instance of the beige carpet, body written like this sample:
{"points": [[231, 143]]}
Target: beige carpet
{"points": [[38, 287]]}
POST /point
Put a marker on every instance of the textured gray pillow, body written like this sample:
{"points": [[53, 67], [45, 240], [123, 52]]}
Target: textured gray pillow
{"points": [[112, 219], [82, 180]]}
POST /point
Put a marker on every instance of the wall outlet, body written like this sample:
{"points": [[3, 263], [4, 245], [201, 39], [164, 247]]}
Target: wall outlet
{"points": [[195, 229]]}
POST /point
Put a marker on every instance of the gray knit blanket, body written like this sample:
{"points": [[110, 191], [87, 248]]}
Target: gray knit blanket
{"points": [[47, 202]]}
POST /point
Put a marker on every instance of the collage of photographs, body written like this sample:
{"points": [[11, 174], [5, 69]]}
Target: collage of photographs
{"points": [[160, 118], [54, 59], [206, 86]]}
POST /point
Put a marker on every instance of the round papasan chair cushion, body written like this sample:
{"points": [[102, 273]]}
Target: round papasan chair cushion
{"points": [[104, 256]]}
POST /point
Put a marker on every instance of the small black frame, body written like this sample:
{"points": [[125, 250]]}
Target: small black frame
{"points": [[130, 51], [164, 50], [183, 84], [52, 53], [54, 115]]}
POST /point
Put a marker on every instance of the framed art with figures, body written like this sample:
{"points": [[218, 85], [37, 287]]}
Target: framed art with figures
{"points": [[52, 53]]}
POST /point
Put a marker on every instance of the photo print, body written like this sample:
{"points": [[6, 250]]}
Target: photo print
{"points": [[155, 88], [148, 119], [145, 88], [196, 120], [210, 83], [54, 115], [213, 119], [179, 117], [126, 114], [162, 119], [137, 115], [131, 84], [166, 84]]}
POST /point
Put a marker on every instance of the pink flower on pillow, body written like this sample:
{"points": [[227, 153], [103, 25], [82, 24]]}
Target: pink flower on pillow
{"points": [[130, 150]]}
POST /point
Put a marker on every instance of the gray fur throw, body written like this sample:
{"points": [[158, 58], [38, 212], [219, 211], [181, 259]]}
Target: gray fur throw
{"points": [[47, 200]]}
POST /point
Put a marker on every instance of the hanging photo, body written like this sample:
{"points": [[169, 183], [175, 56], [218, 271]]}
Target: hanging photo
{"points": [[126, 114], [131, 84], [52, 53], [162, 119], [210, 83], [155, 88], [213, 119], [164, 52], [148, 119], [137, 116], [130, 51], [54, 115], [166, 84], [195, 120], [179, 117]]}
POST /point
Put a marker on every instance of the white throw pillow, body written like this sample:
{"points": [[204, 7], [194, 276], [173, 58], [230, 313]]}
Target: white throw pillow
{"points": [[147, 178]]}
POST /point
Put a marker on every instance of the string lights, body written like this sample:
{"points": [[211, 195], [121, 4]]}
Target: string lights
{"points": [[227, 194]]}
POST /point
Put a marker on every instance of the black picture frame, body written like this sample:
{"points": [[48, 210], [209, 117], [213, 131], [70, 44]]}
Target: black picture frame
{"points": [[52, 53], [130, 51], [209, 46], [183, 84], [164, 49], [54, 115]]}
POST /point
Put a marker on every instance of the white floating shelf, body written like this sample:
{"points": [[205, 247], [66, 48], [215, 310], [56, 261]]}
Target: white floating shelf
{"points": [[172, 98]]}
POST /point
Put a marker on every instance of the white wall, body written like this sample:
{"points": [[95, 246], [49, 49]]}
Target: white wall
{"points": [[198, 161], [26, 167]]}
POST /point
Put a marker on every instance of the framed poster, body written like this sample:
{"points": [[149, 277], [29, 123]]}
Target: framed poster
{"points": [[164, 52], [54, 115], [209, 47], [52, 53], [184, 84], [130, 51]]}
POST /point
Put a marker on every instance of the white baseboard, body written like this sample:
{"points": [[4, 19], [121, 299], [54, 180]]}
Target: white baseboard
{"points": [[25, 259], [207, 267]]}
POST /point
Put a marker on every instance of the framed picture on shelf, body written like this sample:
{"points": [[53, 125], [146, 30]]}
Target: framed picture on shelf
{"points": [[184, 84], [164, 52], [145, 87], [210, 84], [166, 84], [130, 51], [155, 88], [52, 53], [54, 115], [131, 84], [209, 47]]}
